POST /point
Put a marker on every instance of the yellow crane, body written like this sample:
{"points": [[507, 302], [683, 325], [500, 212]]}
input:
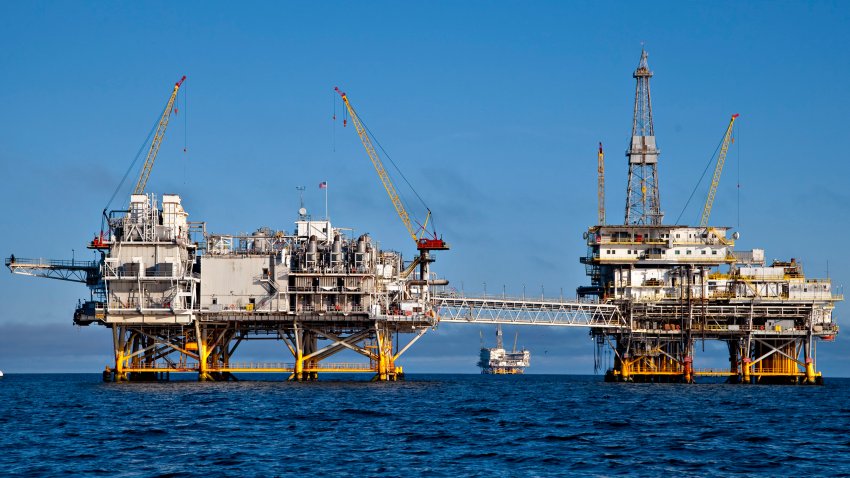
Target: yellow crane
{"points": [[721, 158], [423, 243], [157, 140], [600, 193]]}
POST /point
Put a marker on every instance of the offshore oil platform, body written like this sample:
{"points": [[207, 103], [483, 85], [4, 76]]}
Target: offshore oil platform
{"points": [[679, 284], [498, 361], [181, 299]]}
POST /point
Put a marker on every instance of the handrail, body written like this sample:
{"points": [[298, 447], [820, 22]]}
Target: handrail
{"points": [[287, 366]]}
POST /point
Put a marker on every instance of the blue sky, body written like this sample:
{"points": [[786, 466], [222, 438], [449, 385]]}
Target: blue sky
{"points": [[492, 109]]}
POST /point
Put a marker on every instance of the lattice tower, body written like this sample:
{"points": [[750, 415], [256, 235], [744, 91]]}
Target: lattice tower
{"points": [[643, 204]]}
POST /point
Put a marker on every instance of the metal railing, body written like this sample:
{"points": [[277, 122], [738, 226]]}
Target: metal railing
{"points": [[257, 365], [326, 290], [73, 270], [51, 263], [713, 372], [163, 366], [756, 370], [119, 274]]}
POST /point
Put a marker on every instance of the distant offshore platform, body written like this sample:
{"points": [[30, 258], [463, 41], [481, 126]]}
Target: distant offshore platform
{"points": [[498, 361]]}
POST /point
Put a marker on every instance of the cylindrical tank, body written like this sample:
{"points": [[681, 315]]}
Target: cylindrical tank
{"points": [[336, 251], [360, 256], [312, 255], [261, 243]]}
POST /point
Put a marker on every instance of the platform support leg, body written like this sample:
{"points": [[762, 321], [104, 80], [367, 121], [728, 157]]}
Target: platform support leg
{"points": [[119, 343], [203, 355], [747, 369], [625, 368], [299, 339], [386, 360], [811, 376]]}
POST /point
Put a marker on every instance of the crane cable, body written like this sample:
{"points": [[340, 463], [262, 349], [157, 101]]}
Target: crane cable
{"points": [[142, 148], [738, 150], [398, 170], [130, 168], [185, 131], [710, 161], [185, 119]]}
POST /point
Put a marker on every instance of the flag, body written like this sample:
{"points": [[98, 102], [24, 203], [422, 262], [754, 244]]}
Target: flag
{"points": [[323, 185]]}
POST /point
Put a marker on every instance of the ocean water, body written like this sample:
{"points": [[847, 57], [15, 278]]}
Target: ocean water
{"points": [[429, 425]]}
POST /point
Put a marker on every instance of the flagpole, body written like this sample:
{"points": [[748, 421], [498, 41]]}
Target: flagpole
{"points": [[326, 202]]}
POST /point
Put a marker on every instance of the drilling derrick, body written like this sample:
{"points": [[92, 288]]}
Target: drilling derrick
{"points": [[643, 204]]}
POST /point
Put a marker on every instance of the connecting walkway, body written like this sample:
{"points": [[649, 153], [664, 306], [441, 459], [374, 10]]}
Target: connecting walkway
{"points": [[520, 311]]}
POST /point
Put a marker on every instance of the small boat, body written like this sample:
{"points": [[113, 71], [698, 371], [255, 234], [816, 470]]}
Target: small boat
{"points": [[1, 374]]}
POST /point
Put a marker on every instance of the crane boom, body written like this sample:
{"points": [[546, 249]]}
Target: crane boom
{"points": [[600, 193], [422, 243], [379, 167], [715, 181], [157, 140]]}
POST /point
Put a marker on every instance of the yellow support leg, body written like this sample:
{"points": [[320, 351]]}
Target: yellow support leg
{"points": [[810, 371], [299, 365], [386, 362], [203, 354], [120, 374], [625, 369]]}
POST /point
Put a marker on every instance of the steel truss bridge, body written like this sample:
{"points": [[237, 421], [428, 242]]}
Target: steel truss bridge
{"points": [[516, 311]]}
